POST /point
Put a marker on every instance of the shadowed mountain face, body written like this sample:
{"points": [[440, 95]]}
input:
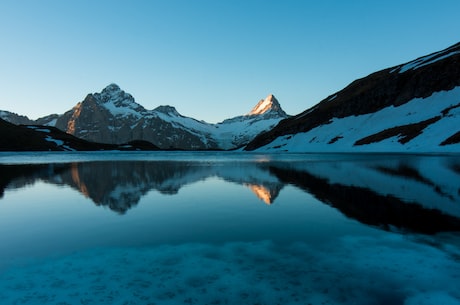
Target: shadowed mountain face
{"points": [[405, 193]]}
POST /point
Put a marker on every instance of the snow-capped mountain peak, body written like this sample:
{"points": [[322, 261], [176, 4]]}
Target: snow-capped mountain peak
{"points": [[112, 92], [269, 104], [263, 105], [118, 102]]}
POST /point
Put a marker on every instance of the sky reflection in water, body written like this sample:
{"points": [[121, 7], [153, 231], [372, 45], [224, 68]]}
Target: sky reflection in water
{"points": [[348, 230]]}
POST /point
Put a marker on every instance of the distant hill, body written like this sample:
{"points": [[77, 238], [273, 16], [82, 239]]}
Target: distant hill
{"points": [[46, 138], [412, 107]]}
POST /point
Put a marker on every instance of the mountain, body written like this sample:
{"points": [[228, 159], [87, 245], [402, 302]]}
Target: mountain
{"points": [[269, 107], [15, 118], [113, 117], [47, 138], [412, 107]]}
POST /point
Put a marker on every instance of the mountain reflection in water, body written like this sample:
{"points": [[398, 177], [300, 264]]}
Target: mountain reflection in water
{"points": [[413, 193]]}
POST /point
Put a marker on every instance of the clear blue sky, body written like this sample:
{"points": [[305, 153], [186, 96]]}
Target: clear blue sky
{"points": [[210, 59]]}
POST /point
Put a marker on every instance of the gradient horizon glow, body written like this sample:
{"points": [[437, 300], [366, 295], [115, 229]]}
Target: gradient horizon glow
{"points": [[210, 59]]}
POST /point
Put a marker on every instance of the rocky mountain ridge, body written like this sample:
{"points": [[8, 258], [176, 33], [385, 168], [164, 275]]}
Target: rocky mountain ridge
{"points": [[114, 117]]}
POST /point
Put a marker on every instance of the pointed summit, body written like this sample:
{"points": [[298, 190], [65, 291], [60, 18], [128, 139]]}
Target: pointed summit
{"points": [[112, 92], [111, 88], [269, 104], [117, 101]]}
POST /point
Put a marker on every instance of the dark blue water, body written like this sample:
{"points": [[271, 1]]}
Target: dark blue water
{"points": [[195, 228]]}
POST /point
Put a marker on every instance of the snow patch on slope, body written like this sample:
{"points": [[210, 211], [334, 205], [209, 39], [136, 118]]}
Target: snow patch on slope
{"points": [[427, 60], [121, 110]]}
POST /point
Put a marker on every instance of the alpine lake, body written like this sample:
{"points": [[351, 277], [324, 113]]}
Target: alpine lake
{"points": [[229, 228]]}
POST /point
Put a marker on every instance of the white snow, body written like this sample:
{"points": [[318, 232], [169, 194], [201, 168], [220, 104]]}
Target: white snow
{"points": [[233, 133], [120, 111], [228, 134], [43, 130], [354, 128], [57, 142]]}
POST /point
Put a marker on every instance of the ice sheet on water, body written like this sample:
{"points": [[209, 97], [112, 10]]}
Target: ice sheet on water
{"points": [[66, 157], [352, 270], [206, 156]]}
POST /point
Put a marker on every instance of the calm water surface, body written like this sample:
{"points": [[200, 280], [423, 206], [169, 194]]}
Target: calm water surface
{"points": [[229, 228]]}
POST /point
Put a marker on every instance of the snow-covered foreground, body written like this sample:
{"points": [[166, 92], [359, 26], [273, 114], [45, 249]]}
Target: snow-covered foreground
{"points": [[341, 134], [351, 270]]}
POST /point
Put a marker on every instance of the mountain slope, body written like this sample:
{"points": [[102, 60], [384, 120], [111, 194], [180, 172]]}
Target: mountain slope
{"points": [[114, 117], [410, 107]]}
